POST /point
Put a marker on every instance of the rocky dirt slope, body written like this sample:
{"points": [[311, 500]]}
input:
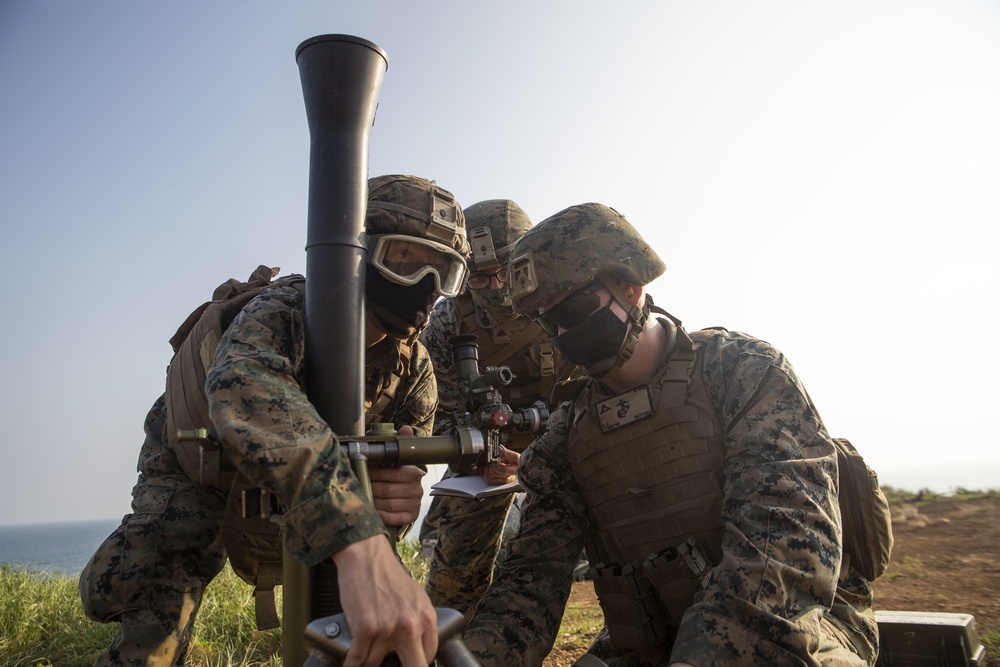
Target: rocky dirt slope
{"points": [[946, 558]]}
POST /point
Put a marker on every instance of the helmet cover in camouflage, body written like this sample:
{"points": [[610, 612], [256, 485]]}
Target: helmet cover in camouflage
{"points": [[400, 204], [494, 225], [573, 248]]}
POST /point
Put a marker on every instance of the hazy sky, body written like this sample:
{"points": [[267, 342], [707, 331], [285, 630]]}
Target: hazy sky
{"points": [[821, 175]]}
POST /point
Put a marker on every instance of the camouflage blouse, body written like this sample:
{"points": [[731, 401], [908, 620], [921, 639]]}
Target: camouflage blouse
{"points": [[258, 404], [769, 599]]}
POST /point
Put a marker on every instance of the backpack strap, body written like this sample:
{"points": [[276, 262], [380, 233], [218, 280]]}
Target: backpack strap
{"points": [[546, 367], [259, 279], [265, 608], [521, 341], [467, 313], [390, 384]]}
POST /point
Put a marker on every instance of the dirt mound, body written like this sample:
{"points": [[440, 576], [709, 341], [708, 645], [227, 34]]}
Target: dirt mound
{"points": [[946, 557]]}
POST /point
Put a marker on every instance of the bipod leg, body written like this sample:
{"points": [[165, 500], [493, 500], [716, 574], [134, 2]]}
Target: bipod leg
{"points": [[328, 640]]}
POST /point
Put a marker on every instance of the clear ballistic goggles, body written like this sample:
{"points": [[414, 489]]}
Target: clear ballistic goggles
{"points": [[408, 259]]}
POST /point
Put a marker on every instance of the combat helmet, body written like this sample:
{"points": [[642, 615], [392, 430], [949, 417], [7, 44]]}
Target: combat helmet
{"points": [[417, 251], [414, 206], [573, 248], [494, 226]]}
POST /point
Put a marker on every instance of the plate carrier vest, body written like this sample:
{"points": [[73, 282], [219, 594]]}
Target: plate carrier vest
{"points": [[655, 491]]}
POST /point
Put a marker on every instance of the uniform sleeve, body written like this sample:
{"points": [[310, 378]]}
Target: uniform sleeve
{"points": [[781, 546], [469, 532], [436, 337], [517, 621], [274, 435]]}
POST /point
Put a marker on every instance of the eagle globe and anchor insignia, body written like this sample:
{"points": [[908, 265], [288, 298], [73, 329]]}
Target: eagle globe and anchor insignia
{"points": [[624, 409]]}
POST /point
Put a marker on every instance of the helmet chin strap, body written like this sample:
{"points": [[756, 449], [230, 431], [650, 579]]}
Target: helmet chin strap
{"points": [[637, 316]]}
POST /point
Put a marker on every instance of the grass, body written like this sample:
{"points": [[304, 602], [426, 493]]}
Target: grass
{"points": [[911, 568], [42, 622], [580, 623], [991, 640], [902, 497]]}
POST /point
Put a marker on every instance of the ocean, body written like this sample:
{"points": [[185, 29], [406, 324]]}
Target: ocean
{"points": [[56, 548], [64, 548]]}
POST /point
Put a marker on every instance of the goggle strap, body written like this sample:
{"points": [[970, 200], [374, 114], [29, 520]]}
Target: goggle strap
{"points": [[399, 208], [439, 227]]}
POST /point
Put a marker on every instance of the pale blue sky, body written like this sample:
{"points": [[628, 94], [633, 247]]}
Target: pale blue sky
{"points": [[821, 175]]}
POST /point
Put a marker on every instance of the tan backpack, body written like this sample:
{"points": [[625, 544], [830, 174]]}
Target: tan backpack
{"points": [[864, 512], [253, 541], [194, 347]]}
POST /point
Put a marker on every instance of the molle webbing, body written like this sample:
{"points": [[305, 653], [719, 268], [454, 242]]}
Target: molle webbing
{"points": [[383, 390], [538, 359], [654, 491], [195, 343], [654, 482]]}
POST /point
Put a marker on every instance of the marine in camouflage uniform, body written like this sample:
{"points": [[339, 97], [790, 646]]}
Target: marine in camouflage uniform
{"points": [[695, 469], [150, 574], [469, 532]]}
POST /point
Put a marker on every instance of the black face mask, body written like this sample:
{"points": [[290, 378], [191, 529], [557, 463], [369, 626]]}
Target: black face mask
{"points": [[400, 310], [594, 340]]}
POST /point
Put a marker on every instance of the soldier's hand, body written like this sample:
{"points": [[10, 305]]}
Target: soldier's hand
{"points": [[504, 471], [385, 608], [397, 491]]}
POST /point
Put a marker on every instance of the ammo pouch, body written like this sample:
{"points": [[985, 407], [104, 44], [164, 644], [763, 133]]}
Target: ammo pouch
{"points": [[254, 546], [676, 575], [641, 602], [630, 610]]}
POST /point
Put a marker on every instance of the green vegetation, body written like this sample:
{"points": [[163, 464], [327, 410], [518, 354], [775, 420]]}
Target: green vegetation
{"points": [[911, 567], [42, 622], [902, 497], [991, 640]]}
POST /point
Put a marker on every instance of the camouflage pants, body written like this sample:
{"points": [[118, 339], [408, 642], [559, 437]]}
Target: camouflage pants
{"points": [[844, 636], [150, 573], [468, 535]]}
